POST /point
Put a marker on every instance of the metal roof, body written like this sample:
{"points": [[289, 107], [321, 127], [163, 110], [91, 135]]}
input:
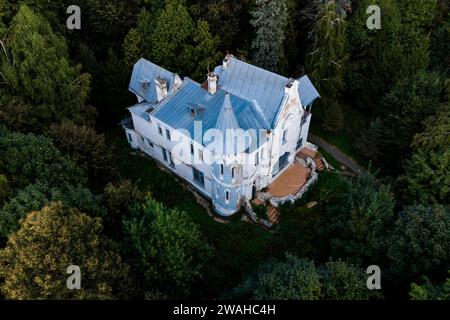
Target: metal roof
{"points": [[143, 79], [307, 91], [176, 111], [254, 84], [255, 95]]}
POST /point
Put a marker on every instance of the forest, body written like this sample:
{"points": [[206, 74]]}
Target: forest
{"points": [[73, 192]]}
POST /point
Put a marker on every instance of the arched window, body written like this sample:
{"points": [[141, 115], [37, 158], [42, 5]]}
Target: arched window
{"points": [[227, 195], [232, 172], [221, 169]]}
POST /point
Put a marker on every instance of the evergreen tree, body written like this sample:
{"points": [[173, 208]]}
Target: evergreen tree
{"points": [[326, 64], [269, 21]]}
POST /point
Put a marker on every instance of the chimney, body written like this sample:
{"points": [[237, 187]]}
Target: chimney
{"points": [[161, 88], [227, 60], [212, 82]]}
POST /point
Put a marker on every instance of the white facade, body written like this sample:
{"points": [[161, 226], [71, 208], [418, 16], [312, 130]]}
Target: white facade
{"points": [[224, 179]]}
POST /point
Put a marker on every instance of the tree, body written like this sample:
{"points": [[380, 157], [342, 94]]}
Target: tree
{"points": [[27, 158], [269, 21], [171, 39], [36, 67], [427, 172], [420, 242], [36, 258], [298, 279], [35, 196], [343, 281], [406, 106], [326, 64], [292, 279], [429, 291], [357, 223], [119, 198], [87, 148], [169, 247]]}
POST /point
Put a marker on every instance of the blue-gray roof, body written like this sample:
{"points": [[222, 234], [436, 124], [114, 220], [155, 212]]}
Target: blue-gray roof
{"points": [[143, 79], [254, 84], [307, 91], [256, 96], [176, 111]]}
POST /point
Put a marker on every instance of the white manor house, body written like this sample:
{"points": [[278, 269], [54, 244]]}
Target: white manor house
{"points": [[230, 137]]}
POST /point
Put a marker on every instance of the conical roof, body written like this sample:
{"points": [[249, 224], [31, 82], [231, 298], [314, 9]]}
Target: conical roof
{"points": [[227, 119], [226, 122]]}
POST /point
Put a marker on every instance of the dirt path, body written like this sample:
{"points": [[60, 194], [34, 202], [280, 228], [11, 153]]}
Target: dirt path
{"points": [[338, 155]]}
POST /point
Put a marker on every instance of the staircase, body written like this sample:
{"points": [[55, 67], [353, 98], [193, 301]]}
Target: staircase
{"points": [[273, 214], [320, 166]]}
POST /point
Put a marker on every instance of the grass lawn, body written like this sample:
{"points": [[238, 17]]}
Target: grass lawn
{"points": [[239, 246]]}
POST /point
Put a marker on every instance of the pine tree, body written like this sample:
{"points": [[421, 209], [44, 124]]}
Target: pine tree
{"points": [[270, 18]]}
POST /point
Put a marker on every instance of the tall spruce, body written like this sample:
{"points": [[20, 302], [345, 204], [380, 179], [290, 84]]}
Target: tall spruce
{"points": [[270, 18]]}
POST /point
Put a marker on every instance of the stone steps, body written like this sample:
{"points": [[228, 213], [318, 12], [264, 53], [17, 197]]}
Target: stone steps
{"points": [[273, 214]]}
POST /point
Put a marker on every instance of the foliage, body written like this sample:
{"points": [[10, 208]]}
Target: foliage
{"points": [[420, 243], [118, 198], [36, 67], [358, 221], [87, 148], [173, 40], [292, 279], [34, 197], [269, 21], [326, 64], [27, 158], [299, 279], [343, 281], [428, 291], [169, 246], [36, 258], [427, 172]]}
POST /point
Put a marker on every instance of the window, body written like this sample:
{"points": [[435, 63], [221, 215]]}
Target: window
{"points": [[150, 144], [171, 160], [164, 152], [221, 169], [130, 138], [227, 195], [232, 172], [168, 134], [257, 159], [192, 148], [284, 136], [200, 155], [198, 177], [160, 130], [143, 140]]}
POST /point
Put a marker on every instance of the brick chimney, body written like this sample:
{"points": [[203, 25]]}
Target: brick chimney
{"points": [[212, 82], [161, 88]]}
